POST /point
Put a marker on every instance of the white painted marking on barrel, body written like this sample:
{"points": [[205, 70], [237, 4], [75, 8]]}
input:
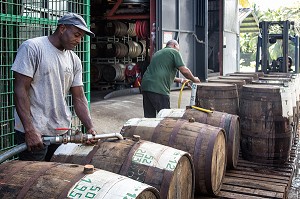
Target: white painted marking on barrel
{"points": [[103, 184], [160, 156]]}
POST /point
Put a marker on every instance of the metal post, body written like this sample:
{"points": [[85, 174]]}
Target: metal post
{"points": [[285, 44], [264, 46], [201, 29], [296, 54], [159, 39], [258, 57]]}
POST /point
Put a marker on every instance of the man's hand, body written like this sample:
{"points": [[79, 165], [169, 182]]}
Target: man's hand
{"points": [[186, 82], [33, 140], [93, 132], [196, 80]]}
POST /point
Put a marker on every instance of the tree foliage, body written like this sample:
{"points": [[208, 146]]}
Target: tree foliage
{"points": [[248, 41]]}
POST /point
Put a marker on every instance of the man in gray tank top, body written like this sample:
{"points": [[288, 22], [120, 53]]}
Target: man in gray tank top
{"points": [[45, 71]]}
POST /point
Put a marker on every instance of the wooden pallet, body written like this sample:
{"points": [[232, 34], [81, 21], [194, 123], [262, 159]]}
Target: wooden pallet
{"points": [[255, 180]]}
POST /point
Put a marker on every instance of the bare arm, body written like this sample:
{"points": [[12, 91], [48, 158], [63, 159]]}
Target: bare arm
{"points": [[81, 108], [22, 102], [187, 74]]}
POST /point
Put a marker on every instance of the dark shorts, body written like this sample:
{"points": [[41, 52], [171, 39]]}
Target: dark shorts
{"points": [[41, 155], [154, 102]]}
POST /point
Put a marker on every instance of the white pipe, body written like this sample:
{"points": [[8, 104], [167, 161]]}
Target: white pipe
{"points": [[107, 135]]}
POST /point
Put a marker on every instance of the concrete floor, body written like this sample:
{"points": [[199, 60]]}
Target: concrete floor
{"points": [[110, 115]]}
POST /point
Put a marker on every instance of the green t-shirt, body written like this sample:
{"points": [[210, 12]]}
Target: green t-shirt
{"points": [[161, 72]]}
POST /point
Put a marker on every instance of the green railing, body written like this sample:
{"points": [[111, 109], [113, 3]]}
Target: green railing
{"points": [[19, 21]]}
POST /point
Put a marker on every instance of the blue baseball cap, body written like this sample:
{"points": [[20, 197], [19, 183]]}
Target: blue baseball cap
{"points": [[75, 20]]}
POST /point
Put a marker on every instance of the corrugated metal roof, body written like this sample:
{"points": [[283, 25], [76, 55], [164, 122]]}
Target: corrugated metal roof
{"points": [[248, 21]]}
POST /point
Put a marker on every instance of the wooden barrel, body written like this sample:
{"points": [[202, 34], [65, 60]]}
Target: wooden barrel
{"points": [[265, 123], [272, 82], [94, 50], [253, 75], [278, 74], [291, 83], [206, 143], [30, 179], [294, 98], [134, 49], [217, 96], [131, 30], [98, 50], [259, 74], [296, 78], [114, 72], [239, 83], [96, 28], [116, 28], [143, 45], [96, 72], [276, 78], [167, 169], [248, 80], [116, 49], [230, 123]]}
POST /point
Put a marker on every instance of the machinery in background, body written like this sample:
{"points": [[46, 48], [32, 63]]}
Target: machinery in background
{"points": [[265, 39]]}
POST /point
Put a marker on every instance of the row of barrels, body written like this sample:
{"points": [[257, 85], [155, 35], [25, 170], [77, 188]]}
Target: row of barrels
{"points": [[107, 72], [32, 179], [131, 49], [176, 157], [182, 151], [114, 72], [138, 28], [268, 107]]}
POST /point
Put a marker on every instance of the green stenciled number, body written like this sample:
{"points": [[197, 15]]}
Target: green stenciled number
{"points": [[140, 151], [130, 195], [73, 194], [135, 159], [83, 188], [171, 166], [140, 155], [90, 195], [148, 159], [95, 188], [86, 180]]}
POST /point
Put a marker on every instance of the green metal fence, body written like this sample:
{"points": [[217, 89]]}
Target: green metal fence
{"points": [[19, 21]]}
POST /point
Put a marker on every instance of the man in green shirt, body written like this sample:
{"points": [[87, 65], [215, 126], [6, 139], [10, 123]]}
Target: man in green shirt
{"points": [[159, 76]]}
